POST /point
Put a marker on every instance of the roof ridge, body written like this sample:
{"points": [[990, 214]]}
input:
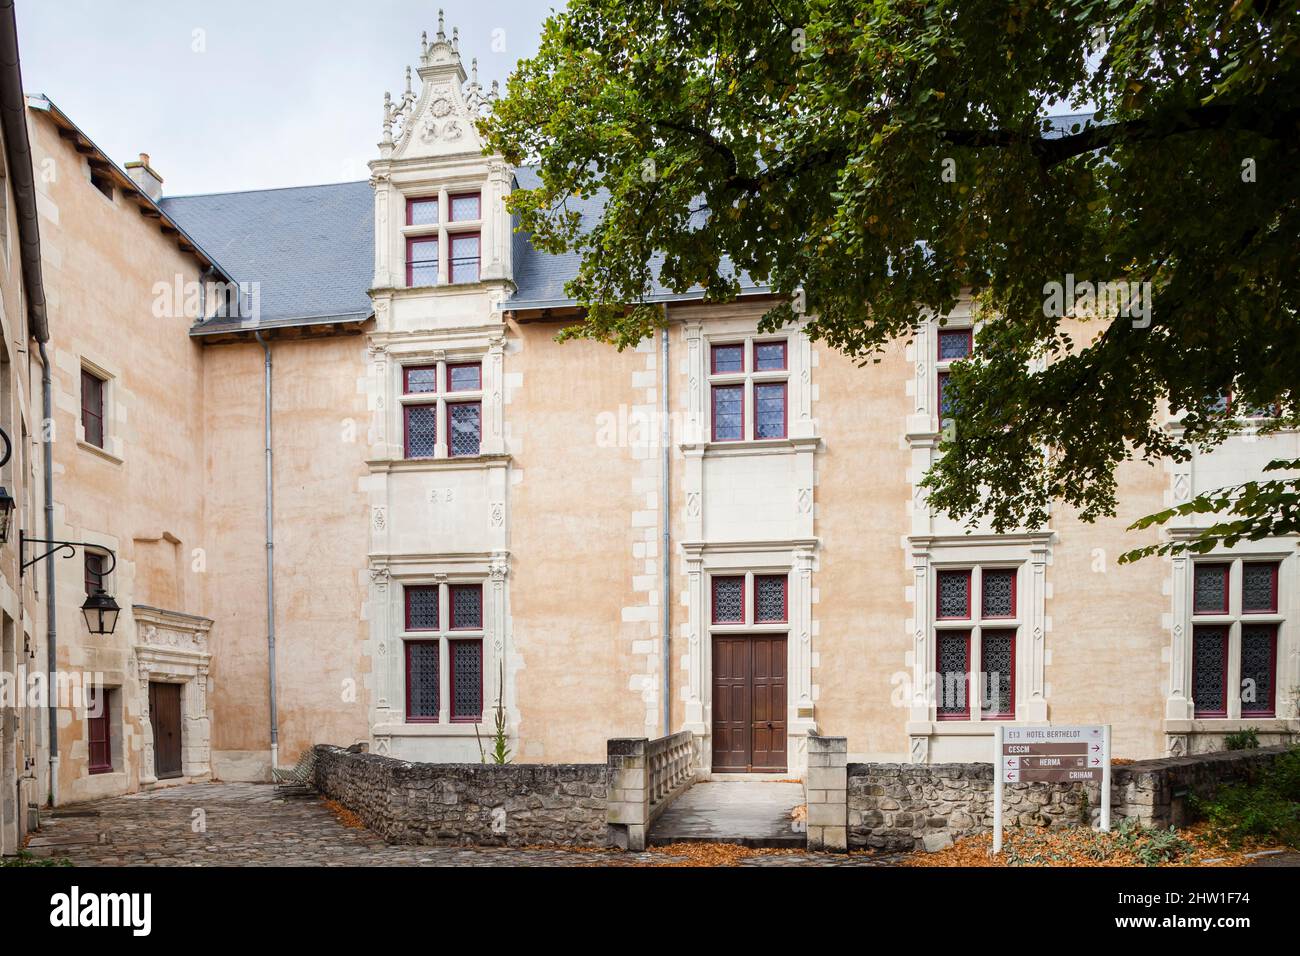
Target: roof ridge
{"points": [[272, 189]]}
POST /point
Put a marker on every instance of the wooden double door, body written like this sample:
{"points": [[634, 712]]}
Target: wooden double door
{"points": [[749, 704], [165, 716]]}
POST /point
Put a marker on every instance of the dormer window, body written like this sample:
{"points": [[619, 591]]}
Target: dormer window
{"points": [[443, 239]]}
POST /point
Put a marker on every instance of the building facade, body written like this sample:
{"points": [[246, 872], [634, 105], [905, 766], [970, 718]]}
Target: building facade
{"points": [[719, 530]]}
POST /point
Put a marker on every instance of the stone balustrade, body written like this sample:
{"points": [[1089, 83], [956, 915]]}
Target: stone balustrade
{"points": [[645, 776]]}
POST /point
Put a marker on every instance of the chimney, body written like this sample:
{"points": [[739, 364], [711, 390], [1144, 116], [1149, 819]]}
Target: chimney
{"points": [[143, 175]]}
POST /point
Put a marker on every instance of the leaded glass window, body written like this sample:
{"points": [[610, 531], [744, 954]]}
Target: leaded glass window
{"points": [[421, 430], [465, 207], [465, 377], [728, 358], [466, 607], [769, 597], [1259, 588], [420, 379], [954, 344], [422, 212], [1210, 589], [421, 262], [769, 410], [954, 594], [1210, 671], [422, 608], [728, 412], [463, 428], [947, 403], [998, 592], [728, 600], [769, 356], [1258, 668], [997, 663], [952, 667], [466, 680], [464, 257], [422, 680]]}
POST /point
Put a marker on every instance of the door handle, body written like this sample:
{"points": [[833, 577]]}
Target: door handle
{"points": [[769, 725]]}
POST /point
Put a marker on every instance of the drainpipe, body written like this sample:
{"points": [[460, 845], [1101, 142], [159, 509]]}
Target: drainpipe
{"points": [[270, 562], [51, 634], [665, 440]]}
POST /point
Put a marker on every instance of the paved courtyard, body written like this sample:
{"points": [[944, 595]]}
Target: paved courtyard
{"points": [[757, 814], [230, 824]]}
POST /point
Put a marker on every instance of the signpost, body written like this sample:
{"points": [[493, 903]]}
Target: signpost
{"points": [[1050, 755]]}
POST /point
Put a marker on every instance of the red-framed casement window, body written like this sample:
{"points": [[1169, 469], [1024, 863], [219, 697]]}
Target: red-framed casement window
{"points": [[424, 655], [728, 599], [771, 598], [739, 367], [422, 211], [998, 673], [952, 594], [92, 408], [1210, 670], [953, 346], [462, 417], [421, 261], [422, 681], [991, 616], [1210, 588], [100, 730], [466, 607], [464, 259], [1259, 587], [420, 419], [466, 666], [952, 674], [1229, 627]]}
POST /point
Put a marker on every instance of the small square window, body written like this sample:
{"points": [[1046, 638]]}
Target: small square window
{"points": [[769, 357], [954, 594], [465, 207], [728, 412], [727, 359], [464, 429], [1259, 587], [729, 600], [422, 212], [422, 607], [419, 379], [465, 377], [998, 592], [466, 607], [1210, 589], [770, 598]]}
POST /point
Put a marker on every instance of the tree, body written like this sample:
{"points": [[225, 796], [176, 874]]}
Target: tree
{"points": [[875, 158]]}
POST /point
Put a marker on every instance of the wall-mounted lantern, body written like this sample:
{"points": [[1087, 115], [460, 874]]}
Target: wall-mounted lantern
{"points": [[100, 609]]}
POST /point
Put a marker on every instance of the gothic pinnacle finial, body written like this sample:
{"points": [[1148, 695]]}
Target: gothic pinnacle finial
{"points": [[455, 39], [441, 34], [474, 71], [424, 44], [408, 81]]}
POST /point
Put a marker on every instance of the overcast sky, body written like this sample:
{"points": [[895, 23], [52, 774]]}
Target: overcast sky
{"points": [[248, 94]]}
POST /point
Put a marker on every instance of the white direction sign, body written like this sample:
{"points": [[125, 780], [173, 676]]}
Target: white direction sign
{"points": [[1050, 755]]}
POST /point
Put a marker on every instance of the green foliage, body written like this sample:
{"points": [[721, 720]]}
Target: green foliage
{"points": [[500, 752], [875, 158], [1247, 739], [25, 858], [1152, 845], [1267, 808]]}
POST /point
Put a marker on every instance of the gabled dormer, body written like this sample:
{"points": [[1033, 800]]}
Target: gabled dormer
{"points": [[442, 234]]}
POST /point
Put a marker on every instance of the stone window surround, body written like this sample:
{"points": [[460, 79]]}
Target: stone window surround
{"points": [[445, 227], [705, 561], [1180, 720], [388, 613], [390, 355], [1030, 553], [173, 648], [112, 447], [973, 625], [924, 424]]}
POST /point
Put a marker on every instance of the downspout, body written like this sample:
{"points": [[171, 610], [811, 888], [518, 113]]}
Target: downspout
{"points": [[270, 562], [51, 632], [665, 441]]}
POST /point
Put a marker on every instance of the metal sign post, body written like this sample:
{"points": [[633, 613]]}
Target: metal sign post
{"points": [[1050, 755]]}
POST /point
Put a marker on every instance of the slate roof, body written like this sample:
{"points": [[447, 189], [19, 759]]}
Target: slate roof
{"points": [[310, 248]]}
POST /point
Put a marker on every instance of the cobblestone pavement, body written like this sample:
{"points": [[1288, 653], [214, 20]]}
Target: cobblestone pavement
{"points": [[237, 824]]}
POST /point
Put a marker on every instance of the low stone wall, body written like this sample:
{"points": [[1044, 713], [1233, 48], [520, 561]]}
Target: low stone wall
{"points": [[468, 804], [895, 806]]}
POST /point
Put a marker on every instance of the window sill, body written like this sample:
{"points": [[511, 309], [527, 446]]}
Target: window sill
{"points": [[1220, 725], [757, 446], [490, 460], [435, 729], [101, 452]]}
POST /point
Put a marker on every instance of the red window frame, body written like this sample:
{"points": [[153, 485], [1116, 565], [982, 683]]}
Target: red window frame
{"points": [[406, 429], [410, 262], [406, 654], [451, 453], [406, 378], [785, 410], [414, 201], [713, 406], [785, 599], [1222, 710], [99, 734], [713, 357], [997, 632], [478, 371], [407, 591], [453, 647], [967, 334], [1227, 582], [1275, 566], [938, 605], [964, 635], [1271, 709], [767, 343], [451, 206], [92, 408], [458, 237], [452, 591], [713, 598], [984, 615]]}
